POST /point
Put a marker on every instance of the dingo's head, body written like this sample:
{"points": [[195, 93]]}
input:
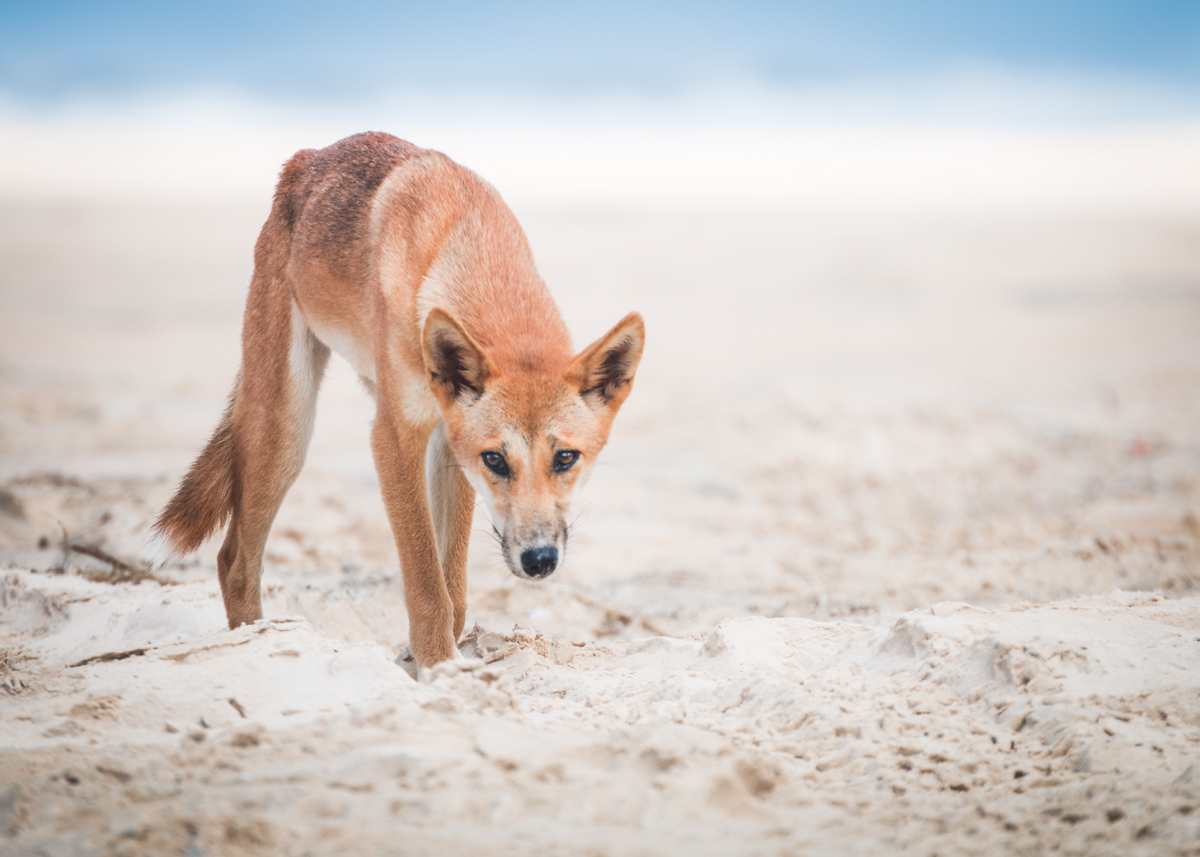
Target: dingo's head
{"points": [[527, 438]]}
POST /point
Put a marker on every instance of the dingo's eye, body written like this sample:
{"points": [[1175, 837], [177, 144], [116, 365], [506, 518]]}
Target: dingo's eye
{"points": [[495, 462], [564, 458]]}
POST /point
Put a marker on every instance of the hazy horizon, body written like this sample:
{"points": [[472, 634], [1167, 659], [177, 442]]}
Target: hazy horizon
{"points": [[864, 103]]}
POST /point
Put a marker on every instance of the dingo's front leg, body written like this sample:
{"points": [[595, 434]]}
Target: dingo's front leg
{"points": [[452, 502], [399, 449]]}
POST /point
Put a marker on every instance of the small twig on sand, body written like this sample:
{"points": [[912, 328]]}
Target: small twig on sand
{"points": [[122, 572], [110, 656], [613, 614]]}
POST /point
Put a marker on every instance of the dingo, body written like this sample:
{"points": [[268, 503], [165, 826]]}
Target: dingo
{"points": [[415, 271]]}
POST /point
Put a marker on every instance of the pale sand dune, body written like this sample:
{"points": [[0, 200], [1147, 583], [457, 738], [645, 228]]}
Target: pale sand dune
{"points": [[897, 550]]}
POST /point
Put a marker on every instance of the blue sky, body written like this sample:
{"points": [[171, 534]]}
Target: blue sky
{"points": [[857, 102], [59, 50]]}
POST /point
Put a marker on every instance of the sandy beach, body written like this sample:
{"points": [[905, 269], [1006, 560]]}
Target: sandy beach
{"points": [[895, 548]]}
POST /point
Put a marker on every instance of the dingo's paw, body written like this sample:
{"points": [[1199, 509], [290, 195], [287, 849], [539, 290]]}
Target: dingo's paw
{"points": [[459, 663]]}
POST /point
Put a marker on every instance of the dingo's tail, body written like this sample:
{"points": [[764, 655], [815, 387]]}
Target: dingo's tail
{"points": [[204, 500]]}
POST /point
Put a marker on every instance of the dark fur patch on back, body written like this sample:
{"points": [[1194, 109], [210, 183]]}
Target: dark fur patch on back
{"points": [[346, 176]]}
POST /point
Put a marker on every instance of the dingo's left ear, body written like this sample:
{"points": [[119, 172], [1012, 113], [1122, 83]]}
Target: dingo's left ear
{"points": [[457, 366], [604, 370]]}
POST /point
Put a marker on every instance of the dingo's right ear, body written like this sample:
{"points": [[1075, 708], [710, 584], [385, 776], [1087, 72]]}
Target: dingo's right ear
{"points": [[604, 370], [457, 366]]}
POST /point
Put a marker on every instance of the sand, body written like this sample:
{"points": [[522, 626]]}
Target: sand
{"points": [[896, 547]]}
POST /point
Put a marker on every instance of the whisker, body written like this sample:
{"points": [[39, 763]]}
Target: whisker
{"points": [[575, 521], [622, 468], [491, 534], [563, 572]]}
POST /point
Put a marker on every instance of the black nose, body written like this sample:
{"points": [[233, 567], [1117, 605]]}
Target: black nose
{"points": [[539, 562]]}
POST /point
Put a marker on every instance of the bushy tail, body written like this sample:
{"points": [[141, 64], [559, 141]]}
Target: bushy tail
{"points": [[204, 500]]}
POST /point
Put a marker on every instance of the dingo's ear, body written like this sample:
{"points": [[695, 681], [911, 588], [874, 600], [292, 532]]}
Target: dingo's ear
{"points": [[457, 366], [604, 370]]}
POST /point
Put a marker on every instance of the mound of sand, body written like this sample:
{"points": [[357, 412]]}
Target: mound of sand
{"points": [[133, 719]]}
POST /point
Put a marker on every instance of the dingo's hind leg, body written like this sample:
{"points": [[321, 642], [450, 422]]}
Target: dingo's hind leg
{"points": [[282, 366], [452, 506]]}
